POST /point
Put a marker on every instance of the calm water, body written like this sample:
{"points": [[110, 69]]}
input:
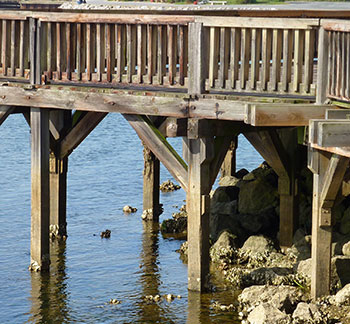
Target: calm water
{"points": [[105, 173]]}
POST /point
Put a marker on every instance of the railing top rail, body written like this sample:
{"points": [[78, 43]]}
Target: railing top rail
{"points": [[336, 25]]}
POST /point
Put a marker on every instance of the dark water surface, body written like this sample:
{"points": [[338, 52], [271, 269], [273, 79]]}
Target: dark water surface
{"points": [[105, 173]]}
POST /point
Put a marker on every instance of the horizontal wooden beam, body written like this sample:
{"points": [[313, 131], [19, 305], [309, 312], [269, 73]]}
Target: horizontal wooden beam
{"points": [[245, 22], [338, 114], [280, 114], [157, 143], [79, 132], [343, 151], [330, 133]]}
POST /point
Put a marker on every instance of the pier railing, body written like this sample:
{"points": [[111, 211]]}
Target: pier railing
{"points": [[238, 54]]}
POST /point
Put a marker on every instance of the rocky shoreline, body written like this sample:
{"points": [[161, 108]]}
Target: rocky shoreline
{"points": [[275, 284]]}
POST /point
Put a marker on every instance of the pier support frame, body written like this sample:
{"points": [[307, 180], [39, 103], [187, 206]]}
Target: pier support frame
{"points": [[151, 174], [40, 209], [200, 154], [228, 167], [281, 158], [329, 170]]}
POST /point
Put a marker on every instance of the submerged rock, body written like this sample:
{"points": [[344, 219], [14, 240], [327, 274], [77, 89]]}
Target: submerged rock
{"points": [[114, 301], [174, 226], [169, 186], [128, 209]]}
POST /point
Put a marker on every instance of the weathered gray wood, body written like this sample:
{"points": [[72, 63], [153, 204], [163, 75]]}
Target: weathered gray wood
{"points": [[337, 114], [32, 49], [79, 132], [321, 236], [151, 136], [40, 211], [5, 111], [228, 167], [201, 152], [151, 172], [198, 58], [322, 66], [330, 133]]}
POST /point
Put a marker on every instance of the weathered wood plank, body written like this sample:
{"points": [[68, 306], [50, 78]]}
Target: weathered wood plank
{"points": [[287, 59], [172, 53], [13, 48], [309, 59], [337, 114], [39, 248], [22, 48], [245, 56], [213, 55], [161, 53], [235, 55], [151, 136], [152, 52], [183, 54], [284, 115], [322, 74], [131, 51], [58, 48], [277, 40], [266, 57], [299, 37], [255, 60], [331, 133], [4, 47], [224, 56]]}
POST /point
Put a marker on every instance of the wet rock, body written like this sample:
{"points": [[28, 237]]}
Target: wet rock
{"points": [[256, 196], [343, 296], [218, 307], [114, 301], [128, 209], [268, 314], [307, 314], [147, 214], [346, 249], [284, 298], [258, 244], [223, 251], [174, 226], [169, 186], [262, 276], [169, 297], [106, 234], [152, 299]]}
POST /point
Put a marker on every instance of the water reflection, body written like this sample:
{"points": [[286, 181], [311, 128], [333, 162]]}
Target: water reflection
{"points": [[49, 290], [150, 277], [195, 314]]}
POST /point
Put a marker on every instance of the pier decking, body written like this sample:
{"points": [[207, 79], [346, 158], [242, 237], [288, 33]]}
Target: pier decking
{"points": [[206, 74]]}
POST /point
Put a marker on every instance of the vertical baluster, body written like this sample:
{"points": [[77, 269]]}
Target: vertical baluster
{"points": [[131, 51], [276, 58], [69, 51], [109, 52], [224, 56], [161, 54], [4, 54], [332, 64], [266, 57], [338, 64], [151, 52], [21, 48], [347, 78], [183, 54], [141, 52], [119, 52], [58, 49], [99, 52], [298, 58], [344, 64], [287, 59], [309, 59], [213, 55], [245, 56], [13, 48], [49, 50], [235, 55], [255, 60], [172, 52], [88, 52], [79, 51]]}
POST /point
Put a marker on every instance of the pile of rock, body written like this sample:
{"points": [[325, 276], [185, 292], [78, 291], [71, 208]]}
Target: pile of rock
{"points": [[169, 186]]}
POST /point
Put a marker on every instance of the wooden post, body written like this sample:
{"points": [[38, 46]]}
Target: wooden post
{"points": [[39, 251], [322, 75], [328, 174], [197, 58], [151, 172], [228, 167], [60, 121], [201, 152]]}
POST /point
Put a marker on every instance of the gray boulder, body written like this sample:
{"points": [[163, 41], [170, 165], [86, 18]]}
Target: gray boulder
{"points": [[258, 244], [284, 298], [224, 248], [268, 314], [346, 249], [256, 196], [343, 296], [307, 314]]}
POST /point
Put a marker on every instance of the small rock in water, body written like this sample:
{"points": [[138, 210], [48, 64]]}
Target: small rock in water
{"points": [[106, 234], [219, 307], [128, 209], [152, 298], [169, 297], [114, 301], [147, 214], [168, 186]]}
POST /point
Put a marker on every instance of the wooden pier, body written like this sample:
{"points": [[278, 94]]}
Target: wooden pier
{"points": [[198, 72]]}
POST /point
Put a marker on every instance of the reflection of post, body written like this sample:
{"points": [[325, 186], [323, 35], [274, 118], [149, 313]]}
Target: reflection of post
{"points": [[194, 315], [48, 294], [150, 278]]}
